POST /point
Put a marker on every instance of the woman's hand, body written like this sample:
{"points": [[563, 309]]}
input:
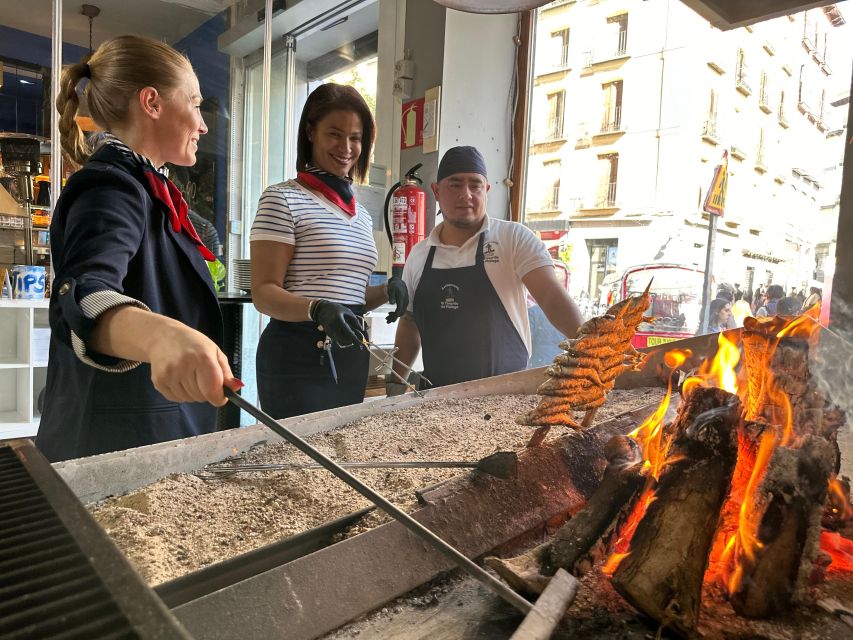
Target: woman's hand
{"points": [[187, 366]]}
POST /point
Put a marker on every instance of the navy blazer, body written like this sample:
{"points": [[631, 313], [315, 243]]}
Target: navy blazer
{"points": [[109, 234]]}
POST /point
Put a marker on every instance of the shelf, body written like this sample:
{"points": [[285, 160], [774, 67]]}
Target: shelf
{"points": [[12, 363], [12, 417], [9, 430]]}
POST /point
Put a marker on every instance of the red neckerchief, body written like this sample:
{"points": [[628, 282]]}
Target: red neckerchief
{"points": [[311, 180], [166, 192]]}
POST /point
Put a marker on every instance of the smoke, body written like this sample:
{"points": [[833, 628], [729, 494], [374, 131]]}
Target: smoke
{"points": [[832, 366]]}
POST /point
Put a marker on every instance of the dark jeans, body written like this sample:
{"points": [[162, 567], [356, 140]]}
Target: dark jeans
{"points": [[294, 375]]}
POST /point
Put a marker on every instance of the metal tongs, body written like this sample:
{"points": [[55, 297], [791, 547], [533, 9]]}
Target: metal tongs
{"points": [[371, 346]]}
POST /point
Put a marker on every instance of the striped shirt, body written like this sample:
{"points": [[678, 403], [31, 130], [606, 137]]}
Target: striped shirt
{"points": [[334, 253]]}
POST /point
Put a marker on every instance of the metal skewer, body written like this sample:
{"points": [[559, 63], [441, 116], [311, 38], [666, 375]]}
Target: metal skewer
{"points": [[474, 570]]}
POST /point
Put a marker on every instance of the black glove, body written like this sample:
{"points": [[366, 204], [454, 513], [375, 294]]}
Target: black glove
{"points": [[398, 294], [338, 322]]}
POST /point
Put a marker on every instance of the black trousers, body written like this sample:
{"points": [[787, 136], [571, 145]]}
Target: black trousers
{"points": [[294, 374]]}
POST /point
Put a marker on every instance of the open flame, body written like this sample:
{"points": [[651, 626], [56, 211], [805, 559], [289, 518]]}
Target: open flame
{"points": [[743, 547], [720, 371], [650, 436]]}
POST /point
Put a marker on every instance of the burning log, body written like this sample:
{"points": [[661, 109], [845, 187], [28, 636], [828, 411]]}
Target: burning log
{"points": [[781, 389], [663, 571], [788, 509], [530, 572], [623, 479]]}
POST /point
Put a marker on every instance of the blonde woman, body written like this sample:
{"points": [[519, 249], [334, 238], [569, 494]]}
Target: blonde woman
{"points": [[134, 356]]}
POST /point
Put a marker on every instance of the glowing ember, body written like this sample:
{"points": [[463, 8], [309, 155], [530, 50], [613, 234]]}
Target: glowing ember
{"points": [[620, 549], [838, 548]]}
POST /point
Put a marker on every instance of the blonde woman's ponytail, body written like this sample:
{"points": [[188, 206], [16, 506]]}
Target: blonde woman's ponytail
{"points": [[68, 104]]}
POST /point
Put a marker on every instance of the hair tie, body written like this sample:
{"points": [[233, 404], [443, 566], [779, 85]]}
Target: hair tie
{"points": [[87, 71]]}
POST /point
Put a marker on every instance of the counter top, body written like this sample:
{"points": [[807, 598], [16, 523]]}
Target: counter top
{"points": [[234, 297]]}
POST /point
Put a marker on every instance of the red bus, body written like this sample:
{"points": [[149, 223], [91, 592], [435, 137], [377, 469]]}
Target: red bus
{"points": [[676, 300]]}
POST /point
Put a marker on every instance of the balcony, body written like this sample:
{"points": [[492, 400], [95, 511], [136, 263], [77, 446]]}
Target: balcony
{"points": [[709, 131], [612, 122], [606, 54], [780, 178], [803, 107], [760, 164], [763, 103], [737, 152], [551, 202], [769, 48], [606, 196], [563, 62], [808, 41], [557, 61], [783, 121], [742, 81], [553, 133]]}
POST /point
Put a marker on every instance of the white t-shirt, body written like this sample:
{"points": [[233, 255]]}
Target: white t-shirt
{"points": [[510, 252], [334, 253]]}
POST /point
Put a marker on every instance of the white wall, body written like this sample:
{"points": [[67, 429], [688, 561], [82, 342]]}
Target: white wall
{"points": [[479, 58]]}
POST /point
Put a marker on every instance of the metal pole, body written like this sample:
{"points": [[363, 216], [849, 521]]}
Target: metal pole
{"points": [[498, 587], [55, 147], [265, 95], [290, 107], [709, 267]]}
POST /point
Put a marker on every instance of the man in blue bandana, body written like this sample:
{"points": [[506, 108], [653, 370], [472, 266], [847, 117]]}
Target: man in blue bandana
{"points": [[469, 278]]}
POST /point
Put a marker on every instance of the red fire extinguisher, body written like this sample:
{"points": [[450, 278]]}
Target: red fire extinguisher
{"points": [[408, 218]]}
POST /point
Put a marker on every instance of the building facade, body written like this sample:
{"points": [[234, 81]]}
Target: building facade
{"points": [[635, 103]]}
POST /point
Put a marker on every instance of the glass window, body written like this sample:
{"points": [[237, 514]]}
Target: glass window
{"points": [[654, 119]]}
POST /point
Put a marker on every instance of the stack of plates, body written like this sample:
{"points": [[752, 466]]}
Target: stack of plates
{"points": [[243, 274]]}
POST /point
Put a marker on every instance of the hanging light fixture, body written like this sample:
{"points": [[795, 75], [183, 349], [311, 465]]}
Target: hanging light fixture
{"points": [[91, 12], [83, 116]]}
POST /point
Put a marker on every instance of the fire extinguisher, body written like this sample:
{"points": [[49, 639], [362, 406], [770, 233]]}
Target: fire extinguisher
{"points": [[408, 218]]}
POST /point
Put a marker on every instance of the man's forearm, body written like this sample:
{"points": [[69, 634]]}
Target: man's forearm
{"points": [[407, 344], [563, 313]]}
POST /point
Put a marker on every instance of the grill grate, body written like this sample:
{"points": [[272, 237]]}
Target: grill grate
{"points": [[60, 577]]}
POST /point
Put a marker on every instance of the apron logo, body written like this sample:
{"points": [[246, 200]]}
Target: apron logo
{"points": [[490, 252], [449, 302]]}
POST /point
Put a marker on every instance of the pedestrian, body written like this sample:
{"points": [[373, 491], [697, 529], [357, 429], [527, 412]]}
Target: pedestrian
{"points": [[773, 295], [719, 315], [741, 307]]}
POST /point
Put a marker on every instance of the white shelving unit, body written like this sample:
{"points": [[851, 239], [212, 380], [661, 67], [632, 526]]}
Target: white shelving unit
{"points": [[24, 338]]}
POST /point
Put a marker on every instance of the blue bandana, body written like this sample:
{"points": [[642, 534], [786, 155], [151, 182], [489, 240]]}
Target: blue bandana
{"points": [[461, 160]]}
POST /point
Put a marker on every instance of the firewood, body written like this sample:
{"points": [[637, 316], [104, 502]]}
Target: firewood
{"points": [[791, 498], [622, 481], [530, 572], [662, 573]]}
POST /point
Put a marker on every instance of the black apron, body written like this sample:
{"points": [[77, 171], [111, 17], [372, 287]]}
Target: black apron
{"points": [[466, 333], [294, 375]]}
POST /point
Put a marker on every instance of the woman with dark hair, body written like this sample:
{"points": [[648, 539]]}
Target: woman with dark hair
{"points": [[134, 318], [718, 315], [312, 256]]}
